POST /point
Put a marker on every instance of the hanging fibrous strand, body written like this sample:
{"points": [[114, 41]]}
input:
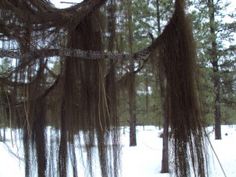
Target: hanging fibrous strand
{"points": [[85, 105], [177, 55]]}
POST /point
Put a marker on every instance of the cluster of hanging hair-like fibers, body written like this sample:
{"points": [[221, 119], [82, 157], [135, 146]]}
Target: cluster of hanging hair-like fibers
{"points": [[86, 111], [177, 57]]}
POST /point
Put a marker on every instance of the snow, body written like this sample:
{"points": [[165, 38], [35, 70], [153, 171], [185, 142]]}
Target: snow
{"points": [[144, 160], [225, 150]]}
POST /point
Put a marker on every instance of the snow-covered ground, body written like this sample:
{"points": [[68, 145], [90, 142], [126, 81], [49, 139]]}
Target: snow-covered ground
{"points": [[143, 160]]}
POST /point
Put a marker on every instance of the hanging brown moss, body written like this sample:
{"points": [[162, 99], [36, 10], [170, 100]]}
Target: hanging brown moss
{"points": [[34, 124], [177, 55], [85, 106]]}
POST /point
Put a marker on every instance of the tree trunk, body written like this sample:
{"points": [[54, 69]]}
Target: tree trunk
{"points": [[131, 89], [111, 77], [132, 111], [217, 112], [215, 66], [39, 126], [111, 82], [165, 142], [147, 94], [25, 47], [26, 151], [165, 137], [158, 17], [62, 163]]}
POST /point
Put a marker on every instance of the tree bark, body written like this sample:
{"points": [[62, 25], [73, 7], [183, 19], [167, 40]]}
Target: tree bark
{"points": [[165, 137], [62, 163], [39, 125], [215, 67], [111, 77], [158, 17], [132, 111], [26, 151], [165, 144], [131, 89]]}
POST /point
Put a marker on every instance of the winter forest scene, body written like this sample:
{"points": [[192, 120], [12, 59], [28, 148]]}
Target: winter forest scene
{"points": [[117, 88]]}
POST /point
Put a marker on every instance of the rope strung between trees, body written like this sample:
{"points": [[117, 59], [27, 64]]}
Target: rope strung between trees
{"points": [[47, 16], [78, 53]]}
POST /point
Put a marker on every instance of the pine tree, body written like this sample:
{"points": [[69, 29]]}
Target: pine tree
{"points": [[213, 33]]}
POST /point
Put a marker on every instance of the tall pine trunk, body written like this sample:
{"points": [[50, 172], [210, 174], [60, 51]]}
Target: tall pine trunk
{"points": [[111, 82], [131, 89], [165, 143], [215, 67]]}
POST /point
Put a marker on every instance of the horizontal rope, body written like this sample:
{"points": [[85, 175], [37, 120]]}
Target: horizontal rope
{"points": [[76, 53]]}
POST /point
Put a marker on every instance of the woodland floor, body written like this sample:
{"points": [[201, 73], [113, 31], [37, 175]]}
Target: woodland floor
{"points": [[143, 160]]}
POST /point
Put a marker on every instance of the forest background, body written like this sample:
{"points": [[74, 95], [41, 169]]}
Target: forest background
{"points": [[216, 49], [125, 27], [146, 16]]}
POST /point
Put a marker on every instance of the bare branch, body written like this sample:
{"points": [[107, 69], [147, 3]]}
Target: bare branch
{"points": [[48, 15]]}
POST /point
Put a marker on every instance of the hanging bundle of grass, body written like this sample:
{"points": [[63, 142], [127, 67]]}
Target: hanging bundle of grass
{"points": [[35, 125], [177, 56], [111, 87], [32, 120], [85, 105]]}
